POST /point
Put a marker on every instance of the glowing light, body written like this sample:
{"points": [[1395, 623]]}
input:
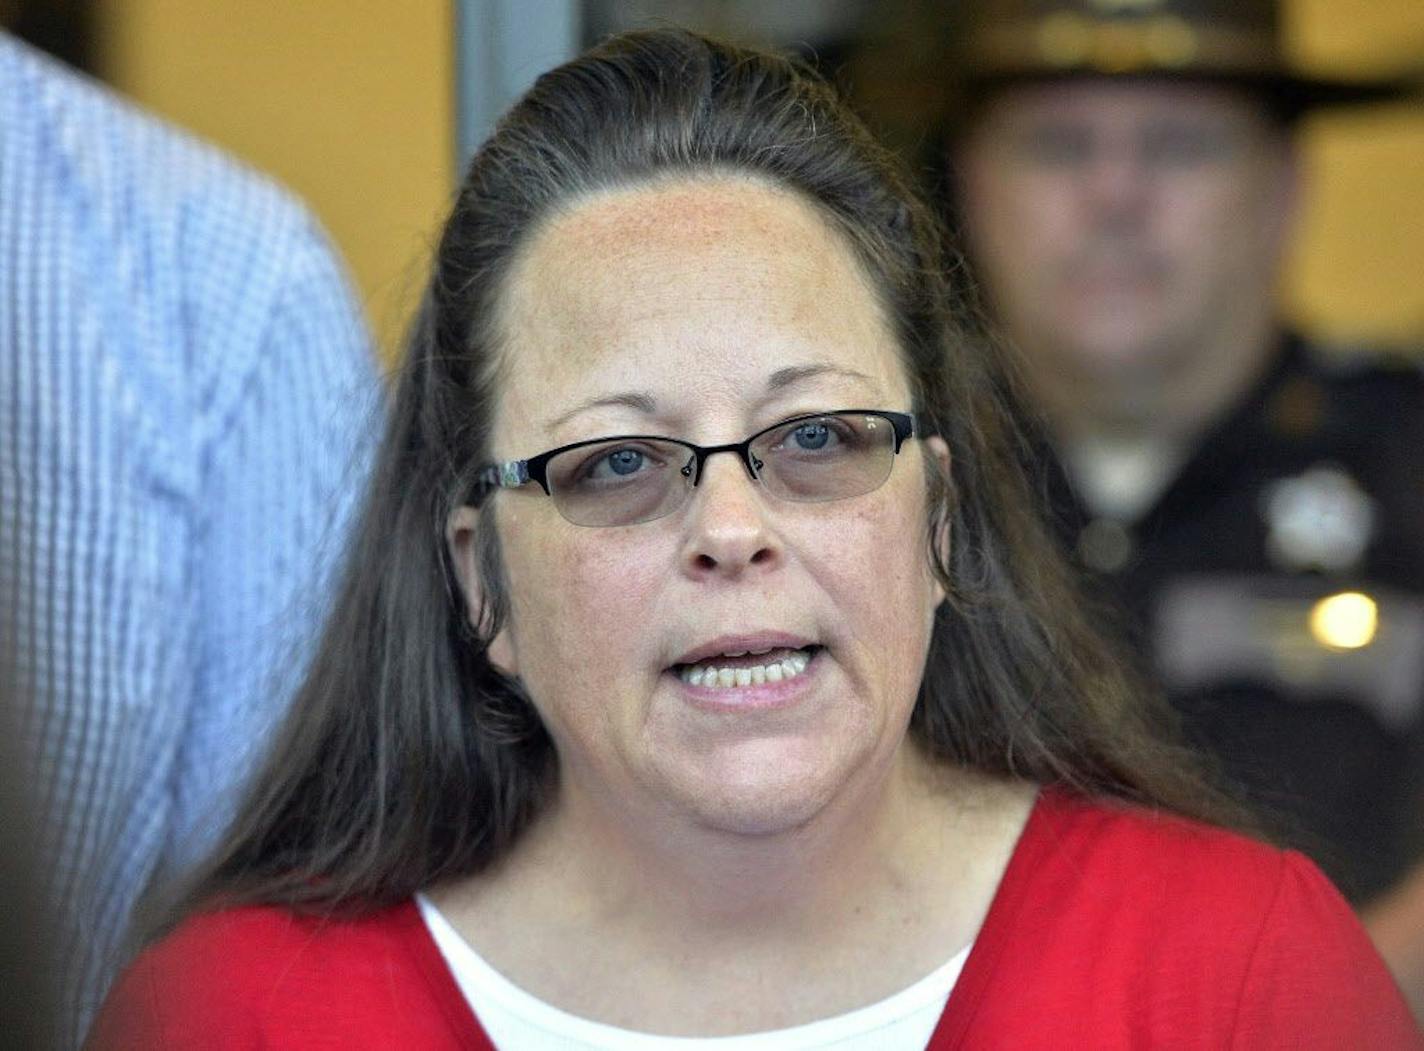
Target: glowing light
{"points": [[1347, 621]]}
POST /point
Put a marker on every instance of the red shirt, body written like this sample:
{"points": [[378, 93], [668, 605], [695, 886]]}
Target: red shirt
{"points": [[1112, 928]]}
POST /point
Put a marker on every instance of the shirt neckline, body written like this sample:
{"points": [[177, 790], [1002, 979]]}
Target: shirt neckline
{"points": [[980, 957], [560, 1023]]}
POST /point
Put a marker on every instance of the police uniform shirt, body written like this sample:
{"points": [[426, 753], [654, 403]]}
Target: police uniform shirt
{"points": [[1276, 590]]}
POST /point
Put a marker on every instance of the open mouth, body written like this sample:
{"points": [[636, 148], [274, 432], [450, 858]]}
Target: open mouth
{"points": [[749, 668]]}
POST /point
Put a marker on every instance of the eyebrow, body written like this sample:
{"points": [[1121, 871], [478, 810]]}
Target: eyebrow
{"points": [[793, 374], [645, 403], [638, 401]]}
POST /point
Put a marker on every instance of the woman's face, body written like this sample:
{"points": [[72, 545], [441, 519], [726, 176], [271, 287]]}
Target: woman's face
{"points": [[707, 311]]}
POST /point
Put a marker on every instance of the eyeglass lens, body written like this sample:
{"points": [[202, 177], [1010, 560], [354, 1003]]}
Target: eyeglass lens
{"points": [[632, 480]]}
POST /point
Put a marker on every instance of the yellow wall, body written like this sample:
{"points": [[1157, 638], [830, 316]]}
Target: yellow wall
{"points": [[348, 102], [1359, 265]]}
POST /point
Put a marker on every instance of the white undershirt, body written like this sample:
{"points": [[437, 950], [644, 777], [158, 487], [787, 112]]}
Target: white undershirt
{"points": [[1121, 479], [517, 1021]]}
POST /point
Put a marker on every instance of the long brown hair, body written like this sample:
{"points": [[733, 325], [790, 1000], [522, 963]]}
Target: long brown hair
{"points": [[408, 758]]}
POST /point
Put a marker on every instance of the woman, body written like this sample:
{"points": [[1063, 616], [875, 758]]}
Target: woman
{"points": [[702, 669]]}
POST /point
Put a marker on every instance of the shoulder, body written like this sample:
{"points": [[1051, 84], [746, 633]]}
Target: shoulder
{"points": [[1322, 396], [1139, 921], [241, 936], [263, 946], [1360, 379], [1189, 881], [122, 174], [185, 257], [1169, 862], [89, 136], [255, 972], [1345, 362]]}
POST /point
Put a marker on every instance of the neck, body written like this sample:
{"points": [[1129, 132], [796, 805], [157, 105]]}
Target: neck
{"points": [[672, 873], [923, 832], [695, 929], [1169, 403]]}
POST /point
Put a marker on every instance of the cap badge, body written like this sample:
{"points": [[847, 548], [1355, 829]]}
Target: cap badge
{"points": [[1115, 7]]}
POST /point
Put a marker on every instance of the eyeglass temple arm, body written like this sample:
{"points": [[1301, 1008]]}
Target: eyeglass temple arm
{"points": [[906, 425], [508, 474]]}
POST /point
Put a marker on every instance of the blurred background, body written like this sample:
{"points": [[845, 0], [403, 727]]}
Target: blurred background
{"points": [[364, 107]]}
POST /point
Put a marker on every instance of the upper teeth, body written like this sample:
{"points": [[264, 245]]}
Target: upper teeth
{"points": [[757, 675]]}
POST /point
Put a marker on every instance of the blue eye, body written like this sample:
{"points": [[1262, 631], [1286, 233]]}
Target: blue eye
{"points": [[624, 461], [817, 439], [811, 436], [618, 464]]}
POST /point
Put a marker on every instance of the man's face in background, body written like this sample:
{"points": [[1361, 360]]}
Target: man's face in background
{"points": [[1126, 231]]}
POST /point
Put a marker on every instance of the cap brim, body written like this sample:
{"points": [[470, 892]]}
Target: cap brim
{"points": [[1289, 92]]}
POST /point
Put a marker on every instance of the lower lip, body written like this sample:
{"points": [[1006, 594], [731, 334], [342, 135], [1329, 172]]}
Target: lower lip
{"points": [[769, 695]]}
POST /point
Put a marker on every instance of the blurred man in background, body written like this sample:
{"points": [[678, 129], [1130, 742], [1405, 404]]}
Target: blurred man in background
{"points": [[186, 401], [1127, 179]]}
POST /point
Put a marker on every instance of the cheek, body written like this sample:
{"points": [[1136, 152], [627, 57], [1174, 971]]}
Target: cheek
{"points": [[580, 603], [1206, 217], [578, 596], [1048, 209], [605, 579], [876, 561], [1022, 225], [1217, 256]]}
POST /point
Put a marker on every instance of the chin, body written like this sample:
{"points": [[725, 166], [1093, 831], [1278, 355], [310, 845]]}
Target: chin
{"points": [[757, 815], [770, 793]]}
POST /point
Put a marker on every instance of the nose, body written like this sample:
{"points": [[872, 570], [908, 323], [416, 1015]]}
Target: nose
{"points": [[729, 532], [1117, 181]]}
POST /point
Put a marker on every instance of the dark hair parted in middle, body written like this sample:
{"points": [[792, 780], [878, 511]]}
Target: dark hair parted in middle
{"points": [[409, 759]]}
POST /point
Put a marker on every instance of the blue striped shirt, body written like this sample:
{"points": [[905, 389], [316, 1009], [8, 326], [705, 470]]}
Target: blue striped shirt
{"points": [[187, 399]]}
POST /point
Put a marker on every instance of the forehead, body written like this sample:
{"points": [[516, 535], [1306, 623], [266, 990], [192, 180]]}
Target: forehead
{"points": [[1123, 102], [693, 292]]}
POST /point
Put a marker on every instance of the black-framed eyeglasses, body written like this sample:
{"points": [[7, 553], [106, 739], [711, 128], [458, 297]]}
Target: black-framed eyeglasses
{"points": [[628, 479]]}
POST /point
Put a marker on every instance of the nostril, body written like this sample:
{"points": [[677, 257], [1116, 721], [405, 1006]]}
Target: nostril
{"points": [[706, 562], [763, 555]]}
